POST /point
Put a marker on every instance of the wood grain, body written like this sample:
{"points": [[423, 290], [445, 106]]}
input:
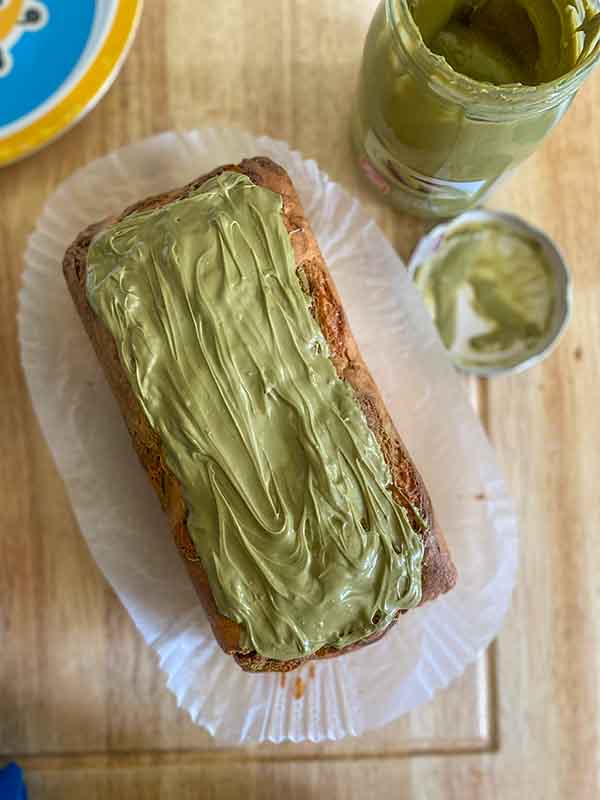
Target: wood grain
{"points": [[82, 701]]}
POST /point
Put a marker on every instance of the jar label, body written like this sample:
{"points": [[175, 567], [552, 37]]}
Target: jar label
{"points": [[382, 168]]}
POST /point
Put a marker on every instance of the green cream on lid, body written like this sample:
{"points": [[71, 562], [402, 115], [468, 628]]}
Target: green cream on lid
{"points": [[498, 291]]}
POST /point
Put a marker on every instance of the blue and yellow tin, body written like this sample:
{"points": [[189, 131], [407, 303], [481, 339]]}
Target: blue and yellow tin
{"points": [[57, 58]]}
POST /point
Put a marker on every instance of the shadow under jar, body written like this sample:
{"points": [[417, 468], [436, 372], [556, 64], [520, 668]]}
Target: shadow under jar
{"points": [[454, 94]]}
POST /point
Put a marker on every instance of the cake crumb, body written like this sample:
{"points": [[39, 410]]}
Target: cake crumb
{"points": [[311, 671], [282, 680], [298, 688]]}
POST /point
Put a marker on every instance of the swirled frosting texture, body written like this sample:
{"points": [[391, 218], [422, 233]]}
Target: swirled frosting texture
{"points": [[285, 484]]}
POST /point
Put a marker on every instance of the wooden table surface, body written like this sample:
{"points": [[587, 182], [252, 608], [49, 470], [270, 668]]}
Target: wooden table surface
{"points": [[82, 702]]}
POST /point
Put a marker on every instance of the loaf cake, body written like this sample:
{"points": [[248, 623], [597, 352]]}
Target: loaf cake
{"points": [[304, 525]]}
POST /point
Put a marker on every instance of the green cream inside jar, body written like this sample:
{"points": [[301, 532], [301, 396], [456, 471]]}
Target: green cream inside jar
{"points": [[287, 489], [504, 42]]}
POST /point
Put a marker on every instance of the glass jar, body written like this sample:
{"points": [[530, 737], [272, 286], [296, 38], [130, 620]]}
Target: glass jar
{"points": [[434, 141]]}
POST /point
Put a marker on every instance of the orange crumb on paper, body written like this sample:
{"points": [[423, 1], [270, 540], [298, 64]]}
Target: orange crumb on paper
{"points": [[298, 688], [311, 671], [282, 680]]}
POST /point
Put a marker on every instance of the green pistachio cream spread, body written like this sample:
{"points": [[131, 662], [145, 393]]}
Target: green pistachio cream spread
{"points": [[509, 41], [285, 484], [491, 292]]}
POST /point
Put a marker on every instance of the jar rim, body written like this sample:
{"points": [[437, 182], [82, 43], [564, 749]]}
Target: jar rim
{"points": [[485, 97]]}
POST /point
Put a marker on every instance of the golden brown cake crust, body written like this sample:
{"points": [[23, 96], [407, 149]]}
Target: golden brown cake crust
{"points": [[438, 572]]}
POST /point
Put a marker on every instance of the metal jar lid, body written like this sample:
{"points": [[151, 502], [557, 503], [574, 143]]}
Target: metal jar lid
{"points": [[561, 287]]}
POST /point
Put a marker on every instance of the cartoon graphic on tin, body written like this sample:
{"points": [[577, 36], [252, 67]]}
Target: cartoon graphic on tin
{"points": [[16, 18]]}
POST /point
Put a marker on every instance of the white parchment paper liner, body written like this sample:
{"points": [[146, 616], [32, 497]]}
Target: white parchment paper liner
{"points": [[121, 519]]}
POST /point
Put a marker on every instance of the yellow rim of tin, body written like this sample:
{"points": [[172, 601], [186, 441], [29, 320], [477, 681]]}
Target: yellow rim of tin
{"points": [[85, 94]]}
